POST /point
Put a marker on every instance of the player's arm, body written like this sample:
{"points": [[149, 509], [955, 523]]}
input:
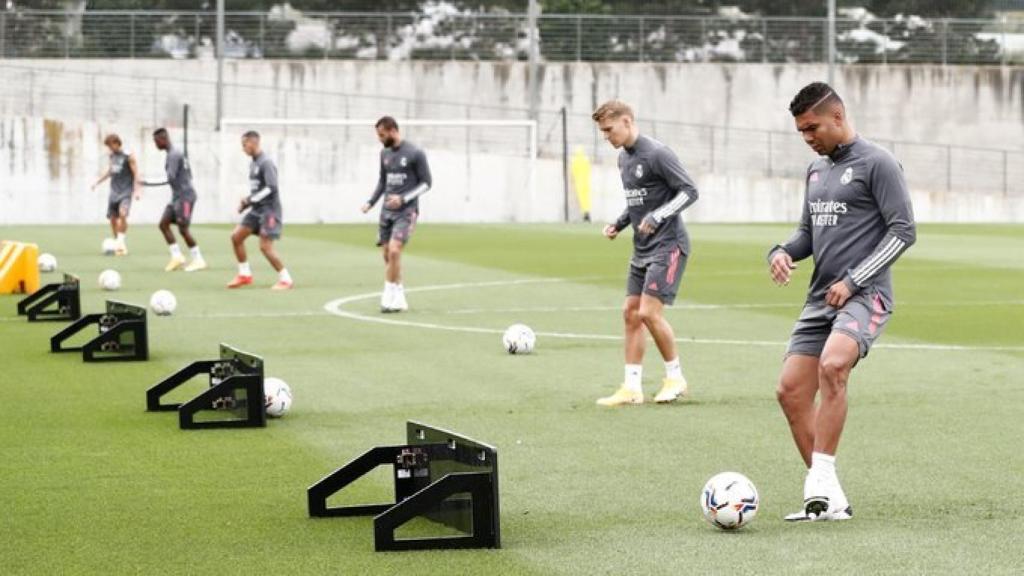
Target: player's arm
{"points": [[612, 230], [136, 181], [378, 191], [668, 166], [101, 179], [173, 166], [782, 258], [269, 186], [422, 176], [889, 189]]}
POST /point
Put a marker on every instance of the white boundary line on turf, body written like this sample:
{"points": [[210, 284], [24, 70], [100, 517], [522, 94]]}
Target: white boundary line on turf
{"points": [[335, 307]]}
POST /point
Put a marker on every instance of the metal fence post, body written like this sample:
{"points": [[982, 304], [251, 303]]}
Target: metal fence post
{"points": [[580, 38], [1006, 173], [263, 35], [640, 39], [198, 37], [764, 40], [3, 34], [945, 41], [387, 39], [885, 42], [949, 167], [131, 35], [1002, 51]]}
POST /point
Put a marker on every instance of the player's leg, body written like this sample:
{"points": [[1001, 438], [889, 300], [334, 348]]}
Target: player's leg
{"points": [[404, 226], [121, 226], [384, 229], [284, 279], [661, 284], [631, 390], [798, 385], [177, 259], [238, 237], [184, 221]]}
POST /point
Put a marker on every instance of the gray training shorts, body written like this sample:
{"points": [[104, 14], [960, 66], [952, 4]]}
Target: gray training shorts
{"points": [[119, 207], [658, 276], [265, 222], [862, 318], [396, 226]]}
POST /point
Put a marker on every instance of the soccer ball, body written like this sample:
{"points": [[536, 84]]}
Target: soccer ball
{"points": [[729, 500], [163, 303], [278, 397], [109, 246], [47, 262], [110, 280], [519, 339]]}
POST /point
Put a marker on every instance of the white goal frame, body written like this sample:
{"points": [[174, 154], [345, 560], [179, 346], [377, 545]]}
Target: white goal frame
{"points": [[254, 122]]}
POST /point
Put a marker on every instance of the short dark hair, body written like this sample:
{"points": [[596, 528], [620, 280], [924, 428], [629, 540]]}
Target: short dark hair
{"points": [[811, 96], [112, 139], [160, 132], [251, 134], [387, 123]]}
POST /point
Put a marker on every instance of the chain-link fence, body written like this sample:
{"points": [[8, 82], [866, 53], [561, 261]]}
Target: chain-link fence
{"points": [[109, 97], [442, 35]]}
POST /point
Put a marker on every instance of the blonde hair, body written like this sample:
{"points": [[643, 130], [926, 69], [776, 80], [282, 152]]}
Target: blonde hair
{"points": [[612, 109]]}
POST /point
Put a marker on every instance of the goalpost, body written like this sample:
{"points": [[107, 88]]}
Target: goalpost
{"points": [[484, 170]]}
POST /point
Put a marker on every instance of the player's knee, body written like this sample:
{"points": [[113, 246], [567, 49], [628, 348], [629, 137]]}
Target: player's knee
{"points": [[266, 246], [631, 315], [832, 374], [649, 314], [787, 394], [394, 252]]}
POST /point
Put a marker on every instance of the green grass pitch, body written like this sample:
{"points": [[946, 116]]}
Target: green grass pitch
{"points": [[931, 457]]}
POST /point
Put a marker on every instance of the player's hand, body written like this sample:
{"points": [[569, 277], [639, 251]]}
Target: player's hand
{"points": [[393, 201], [610, 232], [837, 294], [365, 208], [242, 205], [647, 225], [781, 267]]}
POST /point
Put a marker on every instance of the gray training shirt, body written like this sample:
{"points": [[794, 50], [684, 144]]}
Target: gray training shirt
{"points": [[122, 179], [403, 171], [179, 175], [657, 187], [263, 192], [857, 220]]}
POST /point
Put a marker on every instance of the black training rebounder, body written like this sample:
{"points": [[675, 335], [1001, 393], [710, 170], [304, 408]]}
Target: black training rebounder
{"points": [[123, 335], [58, 301], [235, 398], [447, 478]]}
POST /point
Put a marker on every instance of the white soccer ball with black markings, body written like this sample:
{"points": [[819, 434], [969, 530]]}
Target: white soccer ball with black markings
{"points": [[519, 339], [110, 280], [729, 500], [278, 397], [47, 262], [163, 303], [109, 246]]}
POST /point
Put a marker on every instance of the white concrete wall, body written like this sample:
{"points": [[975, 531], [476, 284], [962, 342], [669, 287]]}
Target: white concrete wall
{"points": [[53, 114]]}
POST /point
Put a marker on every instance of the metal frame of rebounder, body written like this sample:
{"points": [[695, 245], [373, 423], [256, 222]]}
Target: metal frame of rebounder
{"points": [[66, 295], [428, 471], [234, 370], [109, 345]]}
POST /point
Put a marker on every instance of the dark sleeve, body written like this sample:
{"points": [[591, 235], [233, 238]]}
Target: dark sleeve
{"points": [[269, 170], [379, 190], [423, 170], [622, 221], [889, 189], [799, 246], [667, 166]]}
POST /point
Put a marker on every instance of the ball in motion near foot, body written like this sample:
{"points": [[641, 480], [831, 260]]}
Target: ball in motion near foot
{"points": [[519, 339], [729, 500]]}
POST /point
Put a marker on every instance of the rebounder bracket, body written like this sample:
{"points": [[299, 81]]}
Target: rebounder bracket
{"points": [[58, 301], [123, 335], [235, 371], [432, 473]]}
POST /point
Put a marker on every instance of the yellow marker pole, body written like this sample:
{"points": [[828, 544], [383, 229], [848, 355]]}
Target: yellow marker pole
{"points": [[581, 181]]}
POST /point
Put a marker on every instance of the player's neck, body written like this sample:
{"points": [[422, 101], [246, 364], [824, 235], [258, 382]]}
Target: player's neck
{"points": [[631, 141], [396, 144]]}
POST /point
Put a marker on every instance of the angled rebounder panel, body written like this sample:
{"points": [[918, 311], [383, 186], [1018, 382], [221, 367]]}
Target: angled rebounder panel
{"points": [[57, 301], [123, 335], [442, 478], [234, 399]]}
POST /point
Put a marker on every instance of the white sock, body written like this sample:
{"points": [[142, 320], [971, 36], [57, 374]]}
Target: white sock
{"points": [[400, 288], [673, 371], [823, 465], [196, 255], [634, 377], [120, 237], [175, 250], [284, 276], [244, 269], [390, 287]]}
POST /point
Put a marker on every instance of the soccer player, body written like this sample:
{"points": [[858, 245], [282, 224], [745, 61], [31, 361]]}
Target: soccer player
{"points": [[857, 220], [263, 218], [179, 210], [123, 173], [657, 190], [404, 177]]}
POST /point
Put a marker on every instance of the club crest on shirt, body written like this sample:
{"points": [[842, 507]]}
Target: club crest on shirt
{"points": [[403, 162], [847, 176], [639, 171]]}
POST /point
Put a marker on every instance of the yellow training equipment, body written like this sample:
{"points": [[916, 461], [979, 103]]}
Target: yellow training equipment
{"points": [[19, 267]]}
